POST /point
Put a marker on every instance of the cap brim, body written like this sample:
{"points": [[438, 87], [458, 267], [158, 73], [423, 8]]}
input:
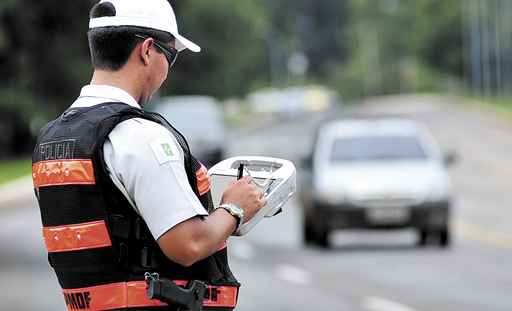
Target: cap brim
{"points": [[183, 43]]}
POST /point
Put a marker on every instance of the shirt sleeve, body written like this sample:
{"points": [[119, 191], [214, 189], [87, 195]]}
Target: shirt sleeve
{"points": [[147, 164]]}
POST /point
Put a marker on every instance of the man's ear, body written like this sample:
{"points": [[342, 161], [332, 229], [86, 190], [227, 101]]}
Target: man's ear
{"points": [[145, 50]]}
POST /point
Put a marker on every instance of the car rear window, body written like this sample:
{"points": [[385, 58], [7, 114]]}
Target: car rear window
{"points": [[377, 148], [193, 119]]}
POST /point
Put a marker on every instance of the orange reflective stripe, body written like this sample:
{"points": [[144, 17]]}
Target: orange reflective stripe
{"points": [[221, 296], [102, 297], [109, 296], [76, 237], [137, 296], [63, 172], [134, 294], [203, 180]]}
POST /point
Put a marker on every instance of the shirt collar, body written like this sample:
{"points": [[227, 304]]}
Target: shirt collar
{"points": [[108, 93]]}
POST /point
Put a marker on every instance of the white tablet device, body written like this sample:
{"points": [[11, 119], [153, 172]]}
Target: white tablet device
{"points": [[275, 177]]}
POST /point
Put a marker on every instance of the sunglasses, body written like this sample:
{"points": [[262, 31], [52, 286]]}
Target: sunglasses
{"points": [[171, 54]]}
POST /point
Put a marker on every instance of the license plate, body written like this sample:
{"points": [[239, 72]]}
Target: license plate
{"points": [[388, 215]]}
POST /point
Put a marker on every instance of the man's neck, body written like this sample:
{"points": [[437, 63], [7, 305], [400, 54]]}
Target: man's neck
{"points": [[117, 79]]}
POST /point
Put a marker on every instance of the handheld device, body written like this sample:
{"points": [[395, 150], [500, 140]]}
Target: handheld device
{"points": [[275, 177]]}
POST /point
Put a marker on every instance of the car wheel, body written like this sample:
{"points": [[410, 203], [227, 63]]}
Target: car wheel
{"points": [[309, 234], [322, 238], [422, 237], [444, 237]]}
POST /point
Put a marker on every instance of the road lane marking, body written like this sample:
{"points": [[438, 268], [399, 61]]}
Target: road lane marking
{"points": [[477, 233], [242, 250], [293, 274], [381, 304]]}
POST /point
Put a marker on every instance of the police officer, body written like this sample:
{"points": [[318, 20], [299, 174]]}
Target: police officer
{"points": [[119, 191]]}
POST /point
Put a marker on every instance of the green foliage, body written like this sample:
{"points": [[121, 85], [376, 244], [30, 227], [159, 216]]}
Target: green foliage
{"points": [[43, 54], [400, 46], [363, 47], [232, 36]]}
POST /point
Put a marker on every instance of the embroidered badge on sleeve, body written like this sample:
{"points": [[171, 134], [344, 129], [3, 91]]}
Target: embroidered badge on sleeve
{"points": [[164, 151]]}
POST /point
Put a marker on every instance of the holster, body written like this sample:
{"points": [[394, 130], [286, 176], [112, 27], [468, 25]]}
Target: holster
{"points": [[189, 298]]}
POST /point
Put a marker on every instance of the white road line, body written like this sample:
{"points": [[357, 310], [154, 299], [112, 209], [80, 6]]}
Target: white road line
{"points": [[381, 304], [293, 274], [242, 250]]}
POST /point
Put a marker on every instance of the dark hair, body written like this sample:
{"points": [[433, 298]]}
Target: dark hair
{"points": [[111, 47]]}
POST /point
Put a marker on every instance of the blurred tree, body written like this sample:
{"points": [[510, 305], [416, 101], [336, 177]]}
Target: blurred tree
{"points": [[44, 56], [234, 51], [437, 34], [379, 46], [315, 28], [401, 46], [43, 63]]}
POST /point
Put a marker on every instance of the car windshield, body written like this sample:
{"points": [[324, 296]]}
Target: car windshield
{"points": [[377, 148]]}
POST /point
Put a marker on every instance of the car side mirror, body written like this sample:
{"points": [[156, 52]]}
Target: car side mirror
{"points": [[450, 158]]}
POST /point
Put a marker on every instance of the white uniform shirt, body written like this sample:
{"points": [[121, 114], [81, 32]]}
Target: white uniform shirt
{"points": [[146, 163]]}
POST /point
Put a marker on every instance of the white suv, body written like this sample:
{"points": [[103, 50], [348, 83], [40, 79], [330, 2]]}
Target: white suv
{"points": [[376, 174]]}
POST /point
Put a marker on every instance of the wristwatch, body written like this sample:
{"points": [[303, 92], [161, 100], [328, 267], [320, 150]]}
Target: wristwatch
{"points": [[235, 211]]}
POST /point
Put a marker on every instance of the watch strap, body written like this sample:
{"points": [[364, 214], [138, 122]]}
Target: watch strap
{"points": [[235, 211]]}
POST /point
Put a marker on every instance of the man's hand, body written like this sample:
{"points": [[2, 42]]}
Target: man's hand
{"points": [[246, 195]]}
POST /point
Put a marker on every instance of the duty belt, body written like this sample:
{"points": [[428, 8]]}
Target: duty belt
{"points": [[134, 295]]}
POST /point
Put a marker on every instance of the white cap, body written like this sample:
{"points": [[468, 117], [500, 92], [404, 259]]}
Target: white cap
{"points": [[155, 14]]}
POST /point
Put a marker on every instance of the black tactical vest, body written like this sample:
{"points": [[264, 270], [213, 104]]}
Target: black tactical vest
{"points": [[97, 244]]}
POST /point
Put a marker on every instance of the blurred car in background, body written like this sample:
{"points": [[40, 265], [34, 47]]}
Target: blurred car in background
{"points": [[201, 120], [376, 174]]}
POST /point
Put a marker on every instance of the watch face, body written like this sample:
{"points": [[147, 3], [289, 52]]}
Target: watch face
{"points": [[233, 209], [237, 209]]}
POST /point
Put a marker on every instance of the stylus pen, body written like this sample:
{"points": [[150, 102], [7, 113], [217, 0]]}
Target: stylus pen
{"points": [[240, 171]]}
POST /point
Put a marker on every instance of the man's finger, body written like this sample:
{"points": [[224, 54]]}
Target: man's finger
{"points": [[246, 179]]}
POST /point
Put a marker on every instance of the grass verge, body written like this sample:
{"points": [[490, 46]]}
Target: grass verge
{"points": [[12, 169], [500, 106]]}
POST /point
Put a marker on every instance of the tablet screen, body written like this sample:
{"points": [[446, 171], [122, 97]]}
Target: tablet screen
{"points": [[221, 182]]}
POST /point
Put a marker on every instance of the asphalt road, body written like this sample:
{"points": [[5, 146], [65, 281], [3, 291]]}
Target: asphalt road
{"points": [[365, 270]]}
